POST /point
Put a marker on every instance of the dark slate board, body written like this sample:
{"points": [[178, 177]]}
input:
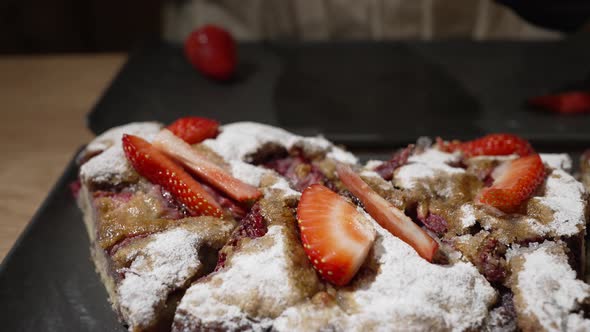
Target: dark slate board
{"points": [[47, 280], [363, 94]]}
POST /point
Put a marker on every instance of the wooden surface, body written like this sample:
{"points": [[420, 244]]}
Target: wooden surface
{"points": [[43, 101]]}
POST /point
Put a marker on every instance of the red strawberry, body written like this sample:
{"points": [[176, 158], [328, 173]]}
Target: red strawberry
{"points": [[193, 129], [212, 51], [387, 215], [179, 150], [515, 181], [159, 169], [491, 145], [335, 236], [566, 103]]}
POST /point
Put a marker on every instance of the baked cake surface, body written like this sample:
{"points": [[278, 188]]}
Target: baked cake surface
{"points": [[248, 270]]}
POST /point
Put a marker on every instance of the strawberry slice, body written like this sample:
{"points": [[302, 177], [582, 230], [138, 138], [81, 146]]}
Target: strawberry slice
{"points": [[387, 215], [335, 236], [216, 176], [515, 181], [159, 169], [490, 145], [571, 102], [194, 129]]}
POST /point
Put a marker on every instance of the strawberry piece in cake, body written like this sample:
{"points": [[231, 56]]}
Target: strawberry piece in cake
{"points": [[335, 236], [490, 145], [515, 181], [159, 169], [194, 129], [177, 149], [388, 216]]}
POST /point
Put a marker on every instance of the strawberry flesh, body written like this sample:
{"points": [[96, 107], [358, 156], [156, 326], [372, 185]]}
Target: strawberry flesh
{"points": [[217, 177], [490, 145], [399, 159], [335, 236], [159, 169], [193, 129], [387, 215], [515, 181]]}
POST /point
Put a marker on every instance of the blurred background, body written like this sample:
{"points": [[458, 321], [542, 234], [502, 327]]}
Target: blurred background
{"points": [[35, 26]]}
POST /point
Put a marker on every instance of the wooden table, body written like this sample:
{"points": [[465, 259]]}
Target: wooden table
{"points": [[43, 101]]}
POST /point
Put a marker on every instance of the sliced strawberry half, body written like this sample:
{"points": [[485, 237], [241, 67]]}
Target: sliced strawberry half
{"points": [[490, 145], [335, 236], [515, 181], [159, 169], [193, 129], [207, 171], [387, 215]]}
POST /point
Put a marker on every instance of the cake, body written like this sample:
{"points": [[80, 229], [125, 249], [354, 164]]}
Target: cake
{"points": [[442, 241]]}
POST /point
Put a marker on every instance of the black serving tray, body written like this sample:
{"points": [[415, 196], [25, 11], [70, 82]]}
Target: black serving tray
{"points": [[363, 94], [48, 282]]}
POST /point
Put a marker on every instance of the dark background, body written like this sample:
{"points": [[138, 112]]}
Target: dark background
{"points": [[58, 26]]}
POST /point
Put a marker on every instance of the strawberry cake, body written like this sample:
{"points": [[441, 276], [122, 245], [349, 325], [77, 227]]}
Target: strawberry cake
{"points": [[245, 226]]}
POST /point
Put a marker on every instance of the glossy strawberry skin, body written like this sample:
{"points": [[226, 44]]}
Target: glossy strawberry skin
{"points": [[514, 182], [194, 129], [335, 236], [205, 170], [387, 215], [212, 51], [159, 169], [491, 145]]}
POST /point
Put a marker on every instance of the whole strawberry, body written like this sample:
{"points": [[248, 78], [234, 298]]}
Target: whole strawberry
{"points": [[212, 51]]}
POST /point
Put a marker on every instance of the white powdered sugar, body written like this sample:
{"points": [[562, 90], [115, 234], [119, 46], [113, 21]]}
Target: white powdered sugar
{"points": [[237, 140], [554, 160], [255, 280], [410, 293], [566, 197], [547, 287], [167, 262], [285, 189], [250, 174], [111, 165], [371, 165], [468, 218], [557, 161], [428, 164]]}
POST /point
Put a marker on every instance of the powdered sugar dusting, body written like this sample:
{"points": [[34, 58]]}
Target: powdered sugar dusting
{"points": [[565, 196], [428, 164], [257, 280], [237, 140], [250, 174], [552, 294], [111, 165], [446, 297], [164, 264], [408, 293], [557, 160], [372, 164], [468, 218]]}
